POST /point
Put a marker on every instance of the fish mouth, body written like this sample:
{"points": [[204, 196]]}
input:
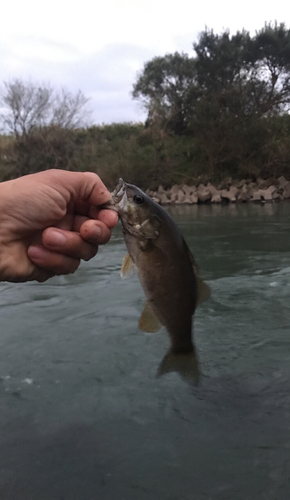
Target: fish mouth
{"points": [[119, 191], [118, 195]]}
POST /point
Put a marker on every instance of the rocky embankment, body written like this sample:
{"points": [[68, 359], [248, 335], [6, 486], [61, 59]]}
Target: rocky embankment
{"points": [[229, 191]]}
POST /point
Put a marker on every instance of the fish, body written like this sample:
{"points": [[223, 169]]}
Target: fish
{"points": [[167, 272]]}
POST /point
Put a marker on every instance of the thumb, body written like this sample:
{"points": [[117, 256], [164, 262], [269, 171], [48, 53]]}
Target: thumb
{"points": [[76, 186]]}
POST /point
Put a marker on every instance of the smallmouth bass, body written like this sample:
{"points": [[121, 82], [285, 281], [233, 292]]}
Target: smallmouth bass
{"points": [[167, 272]]}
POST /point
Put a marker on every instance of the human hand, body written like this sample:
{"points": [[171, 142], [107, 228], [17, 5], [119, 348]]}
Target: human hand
{"points": [[49, 221]]}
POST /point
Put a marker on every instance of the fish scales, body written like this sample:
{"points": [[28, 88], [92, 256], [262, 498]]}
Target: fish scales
{"points": [[167, 278]]}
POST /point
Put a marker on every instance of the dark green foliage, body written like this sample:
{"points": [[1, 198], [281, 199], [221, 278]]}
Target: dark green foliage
{"points": [[230, 98], [164, 86]]}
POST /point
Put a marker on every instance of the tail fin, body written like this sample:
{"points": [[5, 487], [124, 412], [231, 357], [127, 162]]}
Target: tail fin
{"points": [[185, 364]]}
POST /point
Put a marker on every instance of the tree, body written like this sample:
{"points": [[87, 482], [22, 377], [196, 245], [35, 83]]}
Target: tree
{"points": [[164, 87], [244, 75], [223, 97], [70, 110], [271, 66], [243, 81], [28, 105]]}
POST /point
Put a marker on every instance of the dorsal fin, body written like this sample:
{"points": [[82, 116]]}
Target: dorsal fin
{"points": [[203, 290]]}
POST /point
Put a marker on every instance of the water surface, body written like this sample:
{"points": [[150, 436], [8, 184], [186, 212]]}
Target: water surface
{"points": [[83, 416]]}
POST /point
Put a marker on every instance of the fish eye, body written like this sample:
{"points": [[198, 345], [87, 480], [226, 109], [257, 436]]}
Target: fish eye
{"points": [[138, 199]]}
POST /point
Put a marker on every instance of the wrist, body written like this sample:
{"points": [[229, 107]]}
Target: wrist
{"points": [[5, 187]]}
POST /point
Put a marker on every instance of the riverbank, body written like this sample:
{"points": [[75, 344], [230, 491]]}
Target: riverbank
{"points": [[229, 191]]}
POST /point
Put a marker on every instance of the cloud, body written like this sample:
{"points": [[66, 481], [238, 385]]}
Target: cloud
{"points": [[106, 76], [98, 47]]}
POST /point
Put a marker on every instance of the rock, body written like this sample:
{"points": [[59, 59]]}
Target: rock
{"points": [[252, 184], [266, 183], [244, 195], [240, 184], [172, 197], [230, 195], [160, 190], [286, 191], [225, 184], [267, 194], [212, 189], [272, 189], [203, 194], [248, 190], [262, 195], [257, 196], [224, 194], [277, 196], [180, 196], [163, 199], [234, 191], [187, 200], [175, 189], [188, 190], [282, 181], [264, 190], [193, 198], [216, 198]]}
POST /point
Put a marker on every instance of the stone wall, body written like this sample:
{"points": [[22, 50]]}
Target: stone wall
{"points": [[228, 191]]}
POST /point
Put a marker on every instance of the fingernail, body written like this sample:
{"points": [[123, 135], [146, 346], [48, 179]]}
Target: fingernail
{"points": [[37, 252], [97, 232], [56, 238]]}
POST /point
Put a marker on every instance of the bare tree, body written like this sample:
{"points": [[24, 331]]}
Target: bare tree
{"points": [[26, 105], [69, 110]]}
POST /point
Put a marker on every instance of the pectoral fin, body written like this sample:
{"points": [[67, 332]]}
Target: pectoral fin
{"points": [[128, 267], [148, 322]]}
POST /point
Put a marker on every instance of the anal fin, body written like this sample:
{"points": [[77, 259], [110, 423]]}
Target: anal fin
{"points": [[203, 291]]}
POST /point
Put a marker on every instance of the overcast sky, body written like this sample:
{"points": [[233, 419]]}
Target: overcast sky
{"points": [[99, 46]]}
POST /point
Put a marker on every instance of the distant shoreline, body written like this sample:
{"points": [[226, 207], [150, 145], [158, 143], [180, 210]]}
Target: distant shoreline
{"points": [[229, 191]]}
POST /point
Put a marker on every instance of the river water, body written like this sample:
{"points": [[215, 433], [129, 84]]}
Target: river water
{"points": [[83, 416]]}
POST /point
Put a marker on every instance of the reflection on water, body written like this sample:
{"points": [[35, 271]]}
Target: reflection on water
{"points": [[83, 416]]}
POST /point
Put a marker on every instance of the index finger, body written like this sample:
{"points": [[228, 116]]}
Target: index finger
{"points": [[78, 186]]}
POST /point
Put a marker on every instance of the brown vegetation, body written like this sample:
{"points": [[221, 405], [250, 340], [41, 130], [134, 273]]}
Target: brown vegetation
{"points": [[145, 156]]}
